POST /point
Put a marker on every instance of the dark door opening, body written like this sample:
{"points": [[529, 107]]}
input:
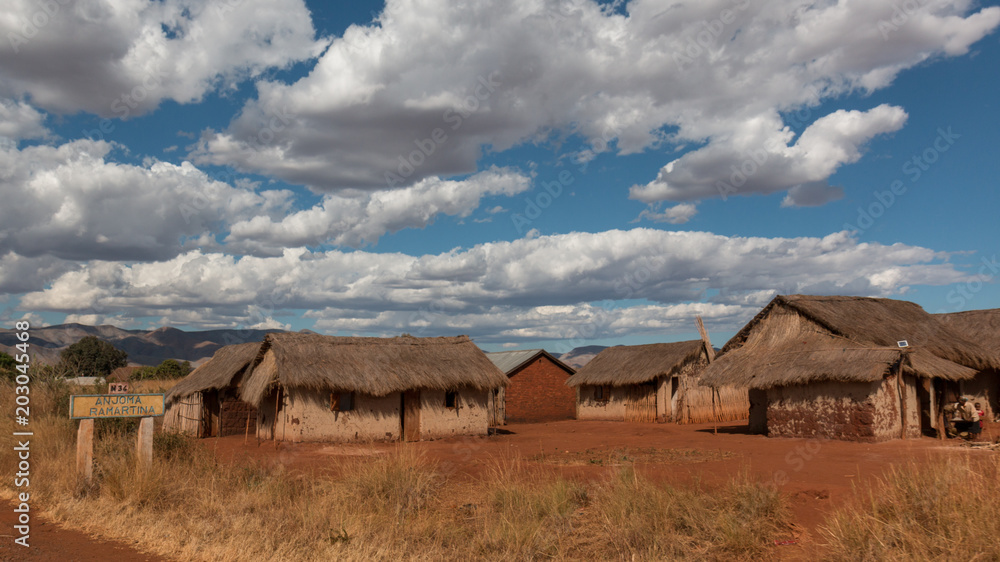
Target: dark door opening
{"points": [[210, 413], [409, 415]]}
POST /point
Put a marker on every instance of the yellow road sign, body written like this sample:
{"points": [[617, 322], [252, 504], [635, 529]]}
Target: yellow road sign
{"points": [[116, 405]]}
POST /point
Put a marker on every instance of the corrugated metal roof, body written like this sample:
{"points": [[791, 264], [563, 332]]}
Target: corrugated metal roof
{"points": [[508, 361]]}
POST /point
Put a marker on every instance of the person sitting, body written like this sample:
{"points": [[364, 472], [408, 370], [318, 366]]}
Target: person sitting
{"points": [[951, 419], [970, 418]]}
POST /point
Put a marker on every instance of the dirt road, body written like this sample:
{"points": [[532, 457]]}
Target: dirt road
{"points": [[49, 542]]}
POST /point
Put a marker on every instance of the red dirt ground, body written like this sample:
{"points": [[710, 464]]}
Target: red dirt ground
{"points": [[51, 543], [816, 475]]}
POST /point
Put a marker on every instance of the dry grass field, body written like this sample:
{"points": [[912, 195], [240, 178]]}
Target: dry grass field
{"points": [[563, 491]]}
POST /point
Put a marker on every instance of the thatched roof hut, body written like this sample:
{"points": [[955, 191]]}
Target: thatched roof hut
{"points": [[653, 382], [122, 374], [835, 366], [635, 364], [979, 326], [800, 339], [216, 373], [204, 403], [983, 328], [372, 366]]}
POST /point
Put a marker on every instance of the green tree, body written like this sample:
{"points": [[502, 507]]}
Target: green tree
{"points": [[91, 357], [168, 369], [173, 369], [143, 373]]}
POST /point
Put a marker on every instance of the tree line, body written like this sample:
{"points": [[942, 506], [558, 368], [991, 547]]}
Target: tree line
{"points": [[93, 357]]}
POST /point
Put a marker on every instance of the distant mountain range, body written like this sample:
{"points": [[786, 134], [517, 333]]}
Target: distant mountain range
{"points": [[580, 356], [152, 347], [144, 347]]}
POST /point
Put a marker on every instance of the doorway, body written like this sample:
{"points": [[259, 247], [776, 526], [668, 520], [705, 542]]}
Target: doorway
{"points": [[409, 417], [210, 413], [675, 394]]}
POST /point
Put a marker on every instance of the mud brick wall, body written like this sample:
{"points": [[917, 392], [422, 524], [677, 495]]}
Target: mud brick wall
{"points": [[538, 392], [851, 411], [234, 416]]}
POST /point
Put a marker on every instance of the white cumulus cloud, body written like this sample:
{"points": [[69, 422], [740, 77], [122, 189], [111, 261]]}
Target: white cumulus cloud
{"points": [[760, 159], [528, 288], [121, 58], [354, 221], [376, 113]]}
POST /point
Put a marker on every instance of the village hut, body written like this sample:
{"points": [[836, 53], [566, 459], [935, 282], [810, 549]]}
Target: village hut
{"points": [[537, 391], [122, 374], [853, 368], [206, 402], [309, 387], [981, 327], [653, 382]]}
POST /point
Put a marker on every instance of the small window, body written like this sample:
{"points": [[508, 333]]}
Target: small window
{"points": [[602, 393], [450, 399], [341, 401]]}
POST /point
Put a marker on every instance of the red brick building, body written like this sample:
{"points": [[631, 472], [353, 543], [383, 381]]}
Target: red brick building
{"points": [[537, 391]]}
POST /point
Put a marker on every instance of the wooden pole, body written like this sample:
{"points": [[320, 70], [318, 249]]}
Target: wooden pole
{"points": [[85, 450], [246, 435], [144, 443], [942, 428], [274, 426], [902, 400], [218, 434], [710, 355], [715, 417], [709, 351]]}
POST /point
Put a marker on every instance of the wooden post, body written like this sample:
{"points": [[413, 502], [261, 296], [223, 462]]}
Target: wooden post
{"points": [[274, 430], [710, 355], [942, 428], [715, 417], [246, 435], [85, 450], [144, 443], [902, 399]]}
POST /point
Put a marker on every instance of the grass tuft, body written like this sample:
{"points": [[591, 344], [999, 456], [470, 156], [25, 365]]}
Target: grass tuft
{"points": [[946, 510]]}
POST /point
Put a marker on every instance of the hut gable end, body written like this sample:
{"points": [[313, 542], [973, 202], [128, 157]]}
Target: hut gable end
{"points": [[225, 368]]}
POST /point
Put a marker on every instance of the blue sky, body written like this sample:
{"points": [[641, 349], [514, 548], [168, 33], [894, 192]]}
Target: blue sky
{"points": [[531, 173]]}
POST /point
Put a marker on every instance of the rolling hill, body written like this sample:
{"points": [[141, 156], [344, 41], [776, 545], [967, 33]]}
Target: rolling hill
{"points": [[144, 347]]}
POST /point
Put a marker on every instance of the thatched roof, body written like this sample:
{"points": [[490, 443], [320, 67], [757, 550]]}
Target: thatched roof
{"points": [[634, 364], [979, 326], [798, 339], [373, 366], [217, 372], [511, 361], [122, 374]]}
